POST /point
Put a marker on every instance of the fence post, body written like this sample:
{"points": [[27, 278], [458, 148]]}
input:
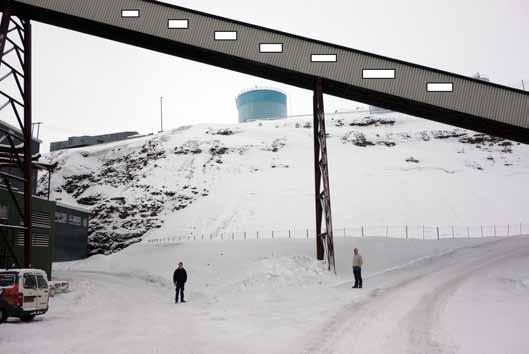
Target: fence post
{"points": [[508, 230], [423, 232], [406, 232], [437, 232], [344, 231], [288, 233], [307, 234], [245, 235], [453, 235], [258, 235], [362, 231], [222, 236], [272, 233], [211, 236], [233, 235]]}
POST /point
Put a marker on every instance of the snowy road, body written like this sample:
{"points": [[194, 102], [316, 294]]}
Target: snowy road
{"points": [[468, 300], [407, 310], [106, 314]]}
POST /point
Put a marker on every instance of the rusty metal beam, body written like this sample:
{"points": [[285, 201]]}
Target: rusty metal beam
{"points": [[324, 240]]}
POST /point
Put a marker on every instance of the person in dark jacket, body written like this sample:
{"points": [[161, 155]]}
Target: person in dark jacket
{"points": [[179, 280]]}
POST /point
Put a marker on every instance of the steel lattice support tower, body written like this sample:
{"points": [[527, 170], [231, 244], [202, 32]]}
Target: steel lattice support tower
{"points": [[15, 96], [324, 240]]}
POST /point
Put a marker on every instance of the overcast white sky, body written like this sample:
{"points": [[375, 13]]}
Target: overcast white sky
{"points": [[85, 85]]}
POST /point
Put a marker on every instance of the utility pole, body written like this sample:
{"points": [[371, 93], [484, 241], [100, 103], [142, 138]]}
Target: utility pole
{"points": [[161, 114]]}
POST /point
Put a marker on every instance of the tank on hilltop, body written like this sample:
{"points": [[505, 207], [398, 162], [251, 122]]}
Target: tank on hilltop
{"points": [[261, 103]]}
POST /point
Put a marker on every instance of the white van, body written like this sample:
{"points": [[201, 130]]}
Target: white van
{"points": [[26, 292]]}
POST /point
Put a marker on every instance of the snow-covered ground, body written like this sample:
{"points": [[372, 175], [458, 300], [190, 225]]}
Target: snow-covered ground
{"points": [[454, 295], [386, 169], [272, 296]]}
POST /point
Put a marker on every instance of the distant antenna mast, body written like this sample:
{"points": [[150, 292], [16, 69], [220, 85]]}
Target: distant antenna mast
{"points": [[161, 114]]}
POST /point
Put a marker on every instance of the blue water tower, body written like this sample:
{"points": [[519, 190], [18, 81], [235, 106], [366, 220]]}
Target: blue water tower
{"points": [[261, 103]]}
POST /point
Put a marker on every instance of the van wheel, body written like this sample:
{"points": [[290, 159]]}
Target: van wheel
{"points": [[3, 316], [27, 318]]}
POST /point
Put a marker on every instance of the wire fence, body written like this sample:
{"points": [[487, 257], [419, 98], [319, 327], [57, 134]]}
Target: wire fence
{"points": [[424, 232]]}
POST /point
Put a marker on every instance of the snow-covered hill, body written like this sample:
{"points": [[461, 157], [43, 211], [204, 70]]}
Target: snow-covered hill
{"points": [[388, 169]]}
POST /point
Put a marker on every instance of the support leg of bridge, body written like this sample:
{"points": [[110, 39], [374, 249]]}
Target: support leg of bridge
{"points": [[317, 179], [28, 188], [324, 240]]}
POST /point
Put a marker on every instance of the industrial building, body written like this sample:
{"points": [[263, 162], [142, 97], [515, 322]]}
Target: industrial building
{"points": [[53, 239], [86, 140], [12, 239], [71, 233], [261, 103]]}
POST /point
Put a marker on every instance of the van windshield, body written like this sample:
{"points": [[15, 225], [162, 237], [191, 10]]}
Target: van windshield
{"points": [[7, 279]]}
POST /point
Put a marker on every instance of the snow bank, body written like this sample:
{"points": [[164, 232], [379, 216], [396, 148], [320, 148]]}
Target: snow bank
{"points": [[243, 265]]}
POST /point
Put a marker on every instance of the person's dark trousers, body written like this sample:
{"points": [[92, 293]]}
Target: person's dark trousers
{"points": [[357, 271], [179, 289]]}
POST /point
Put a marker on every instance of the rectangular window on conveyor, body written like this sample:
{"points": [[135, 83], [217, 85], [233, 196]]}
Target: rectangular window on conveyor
{"points": [[378, 73], [271, 48], [128, 13], [439, 87], [225, 35], [323, 58], [178, 24]]}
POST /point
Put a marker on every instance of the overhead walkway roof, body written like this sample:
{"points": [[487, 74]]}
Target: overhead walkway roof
{"points": [[373, 79]]}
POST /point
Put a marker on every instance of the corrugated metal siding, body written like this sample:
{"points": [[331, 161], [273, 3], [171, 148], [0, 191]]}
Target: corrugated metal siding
{"points": [[38, 239], [468, 96]]}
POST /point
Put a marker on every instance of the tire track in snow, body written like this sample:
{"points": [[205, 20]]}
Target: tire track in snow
{"points": [[402, 315], [424, 319]]}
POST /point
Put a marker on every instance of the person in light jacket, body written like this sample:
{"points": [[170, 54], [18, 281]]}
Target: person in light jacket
{"points": [[358, 262]]}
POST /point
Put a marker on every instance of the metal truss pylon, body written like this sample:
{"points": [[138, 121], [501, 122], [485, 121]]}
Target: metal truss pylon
{"points": [[15, 56], [324, 239]]}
